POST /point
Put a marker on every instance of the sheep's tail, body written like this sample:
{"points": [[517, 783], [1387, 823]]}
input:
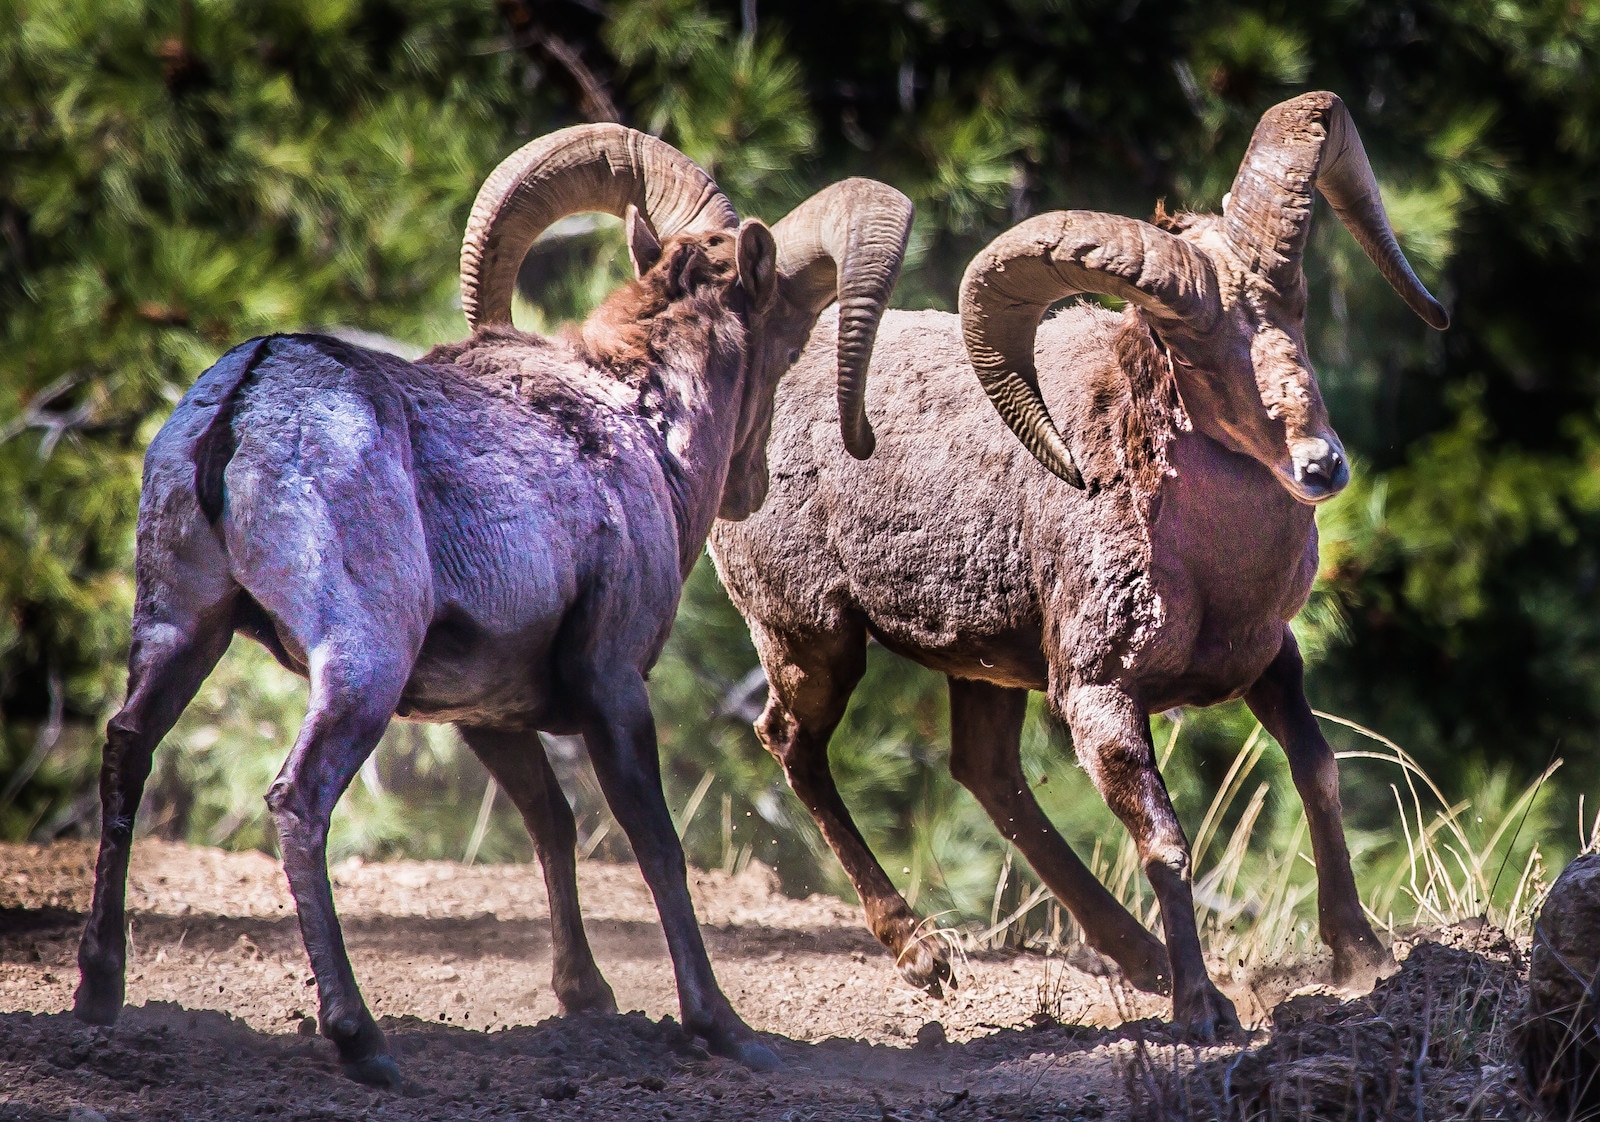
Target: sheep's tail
{"points": [[209, 407]]}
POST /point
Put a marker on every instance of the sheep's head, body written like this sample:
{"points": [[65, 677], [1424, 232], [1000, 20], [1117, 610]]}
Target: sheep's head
{"points": [[1226, 296], [845, 243], [723, 266]]}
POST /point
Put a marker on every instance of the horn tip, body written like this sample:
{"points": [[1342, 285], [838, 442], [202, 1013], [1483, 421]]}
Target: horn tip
{"points": [[1068, 473], [1054, 454], [860, 443]]}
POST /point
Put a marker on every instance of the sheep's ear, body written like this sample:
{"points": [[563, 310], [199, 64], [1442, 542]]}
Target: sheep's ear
{"points": [[644, 248], [758, 263]]}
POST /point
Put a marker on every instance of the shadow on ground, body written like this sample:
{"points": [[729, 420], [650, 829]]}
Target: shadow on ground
{"points": [[1424, 1044], [223, 994]]}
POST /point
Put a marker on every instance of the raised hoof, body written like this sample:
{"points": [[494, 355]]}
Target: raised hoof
{"points": [[1150, 979], [1144, 969], [97, 1004], [924, 964], [1207, 1017], [375, 1071]]}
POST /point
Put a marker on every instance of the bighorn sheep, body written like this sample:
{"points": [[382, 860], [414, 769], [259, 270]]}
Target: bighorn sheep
{"points": [[495, 535], [1160, 573]]}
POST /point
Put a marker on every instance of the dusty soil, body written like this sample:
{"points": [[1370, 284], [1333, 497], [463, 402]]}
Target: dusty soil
{"points": [[455, 963]]}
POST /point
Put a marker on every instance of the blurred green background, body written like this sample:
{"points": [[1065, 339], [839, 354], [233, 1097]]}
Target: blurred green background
{"points": [[177, 176]]}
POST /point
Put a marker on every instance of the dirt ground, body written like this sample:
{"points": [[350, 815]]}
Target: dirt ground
{"points": [[455, 963]]}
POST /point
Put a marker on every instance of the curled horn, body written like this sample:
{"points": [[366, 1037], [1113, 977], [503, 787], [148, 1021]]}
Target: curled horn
{"points": [[601, 167], [847, 242], [1016, 277], [1305, 143]]}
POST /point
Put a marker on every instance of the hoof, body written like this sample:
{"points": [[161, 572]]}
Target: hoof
{"points": [[1149, 978], [751, 1053], [924, 964], [375, 1071], [1360, 968], [97, 1004], [362, 1048], [756, 1056], [594, 996], [1145, 968], [730, 1037], [1207, 1017]]}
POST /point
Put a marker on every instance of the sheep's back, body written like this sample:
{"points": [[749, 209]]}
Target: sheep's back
{"points": [[944, 536]]}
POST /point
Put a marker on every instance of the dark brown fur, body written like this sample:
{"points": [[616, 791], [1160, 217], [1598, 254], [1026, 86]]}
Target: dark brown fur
{"points": [[632, 330], [1151, 413]]}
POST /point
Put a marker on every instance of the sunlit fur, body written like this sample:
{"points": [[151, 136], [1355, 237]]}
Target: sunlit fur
{"points": [[1167, 581], [496, 536]]}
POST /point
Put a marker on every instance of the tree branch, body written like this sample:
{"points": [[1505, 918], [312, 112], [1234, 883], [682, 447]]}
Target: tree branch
{"points": [[544, 45]]}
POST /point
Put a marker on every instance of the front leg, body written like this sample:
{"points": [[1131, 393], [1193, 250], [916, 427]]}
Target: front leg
{"points": [[1111, 732], [517, 760], [985, 733], [1278, 699]]}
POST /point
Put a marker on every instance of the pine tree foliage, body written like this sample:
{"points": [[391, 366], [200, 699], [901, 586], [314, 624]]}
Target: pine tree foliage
{"points": [[175, 178]]}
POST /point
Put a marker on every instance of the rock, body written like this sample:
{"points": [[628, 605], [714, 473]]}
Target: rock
{"points": [[1560, 1044], [84, 1114]]}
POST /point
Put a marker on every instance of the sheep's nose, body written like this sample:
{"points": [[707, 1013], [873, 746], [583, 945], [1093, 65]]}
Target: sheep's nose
{"points": [[1325, 474], [1331, 467]]}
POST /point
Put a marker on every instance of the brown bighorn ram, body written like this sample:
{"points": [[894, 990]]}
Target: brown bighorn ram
{"points": [[496, 535], [1160, 569]]}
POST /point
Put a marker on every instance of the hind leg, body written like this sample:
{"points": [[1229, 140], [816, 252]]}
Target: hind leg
{"points": [[811, 679], [181, 627], [168, 661], [518, 763], [354, 689], [985, 735], [325, 532]]}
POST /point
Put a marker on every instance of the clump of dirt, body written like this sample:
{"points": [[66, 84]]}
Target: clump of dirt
{"points": [[455, 962], [1433, 1041]]}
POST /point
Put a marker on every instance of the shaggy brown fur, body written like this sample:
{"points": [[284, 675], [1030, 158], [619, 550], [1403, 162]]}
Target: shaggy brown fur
{"points": [[1150, 413], [1174, 223], [630, 332], [1167, 581]]}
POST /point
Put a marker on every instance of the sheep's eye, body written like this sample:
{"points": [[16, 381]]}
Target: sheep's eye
{"points": [[794, 355]]}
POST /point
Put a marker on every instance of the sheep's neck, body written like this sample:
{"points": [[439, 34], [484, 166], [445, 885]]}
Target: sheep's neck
{"points": [[693, 408], [1149, 418]]}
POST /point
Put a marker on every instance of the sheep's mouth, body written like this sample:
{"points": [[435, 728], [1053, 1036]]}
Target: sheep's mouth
{"points": [[1312, 489]]}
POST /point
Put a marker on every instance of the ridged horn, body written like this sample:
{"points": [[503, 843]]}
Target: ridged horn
{"points": [[1309, 143], [847, 242], [602, 167], [1010, 284]]}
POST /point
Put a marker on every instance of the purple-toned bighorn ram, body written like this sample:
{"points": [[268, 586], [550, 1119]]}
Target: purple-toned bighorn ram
{"points": [[495, 536], [1155, 564]]}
